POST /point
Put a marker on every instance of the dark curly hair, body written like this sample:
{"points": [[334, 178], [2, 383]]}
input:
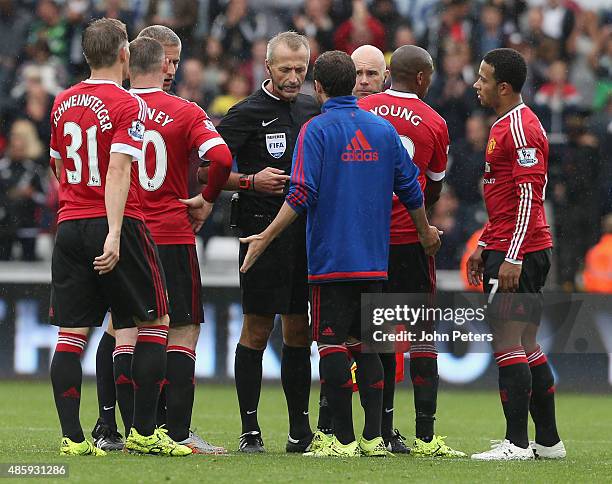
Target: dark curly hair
{"points": [[509, 65]]}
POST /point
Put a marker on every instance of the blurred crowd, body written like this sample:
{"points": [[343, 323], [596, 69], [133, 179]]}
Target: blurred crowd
{"points": [[567, 43]]}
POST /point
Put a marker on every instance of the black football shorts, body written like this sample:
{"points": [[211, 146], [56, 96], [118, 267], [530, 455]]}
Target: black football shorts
{"points": [[335, 310], [134, 291], [182, 271], [411, 270], [278, 281], [526, 304]]}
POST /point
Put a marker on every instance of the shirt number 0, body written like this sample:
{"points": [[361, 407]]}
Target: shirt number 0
{"points": [[161, 162]]}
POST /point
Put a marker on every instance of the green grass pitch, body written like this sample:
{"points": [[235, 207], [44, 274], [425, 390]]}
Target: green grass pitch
{"points": [[29, 433]]}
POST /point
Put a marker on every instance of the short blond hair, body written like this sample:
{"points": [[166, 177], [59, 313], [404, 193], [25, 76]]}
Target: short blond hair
{"points": [[164, 35], [291, 39]]}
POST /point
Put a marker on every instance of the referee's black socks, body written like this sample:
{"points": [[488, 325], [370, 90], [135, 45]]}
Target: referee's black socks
{"points": [[295, 378], [66, 378], [105, 380], [247, 374], [388, 363]]}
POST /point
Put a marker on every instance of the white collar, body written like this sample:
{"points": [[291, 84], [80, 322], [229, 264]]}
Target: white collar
{"points": [[263, 86], [145, 90], [516, 108], [101, 81], [407, 95]]}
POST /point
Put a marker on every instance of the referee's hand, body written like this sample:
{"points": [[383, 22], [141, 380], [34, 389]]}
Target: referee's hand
{"points": [[257, 244], [430, 240], [270, 180]]}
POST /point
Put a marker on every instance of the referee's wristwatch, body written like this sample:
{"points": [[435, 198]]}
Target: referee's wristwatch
{"points": [[245, 182]]}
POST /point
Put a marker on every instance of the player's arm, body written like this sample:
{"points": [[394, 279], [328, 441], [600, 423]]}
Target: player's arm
{"points": [[220, 169], [303, 192], [55, 161], [432, 192], [200, 206], [436, 169], [259, 242], [475, 265], [529, 175], [115, 196], [407, 188], [56, 165], [203, 136], [126, 146]]}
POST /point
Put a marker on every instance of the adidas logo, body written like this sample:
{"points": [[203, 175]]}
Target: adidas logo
{"points": [[123, 380], [419, 381], [359, 149], [72, 392], [328, 332]]}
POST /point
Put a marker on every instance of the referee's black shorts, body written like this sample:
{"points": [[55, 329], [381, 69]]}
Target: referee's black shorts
{"points": [[410, 271], [134, 291], [526, 304], [180, 262], [278, 282]]}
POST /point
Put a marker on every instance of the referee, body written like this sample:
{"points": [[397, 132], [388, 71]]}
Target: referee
{"points": [[261, 132]]}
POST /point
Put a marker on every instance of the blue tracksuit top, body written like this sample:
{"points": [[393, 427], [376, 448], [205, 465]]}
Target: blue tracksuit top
{"points": [[346, 165]]}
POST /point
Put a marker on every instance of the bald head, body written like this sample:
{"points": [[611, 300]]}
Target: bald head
{"points": [[371, 70], [370, 54], [411, 69]]}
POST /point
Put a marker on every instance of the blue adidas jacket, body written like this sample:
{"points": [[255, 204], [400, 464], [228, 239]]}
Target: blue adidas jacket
{"points": [[346, 165]]}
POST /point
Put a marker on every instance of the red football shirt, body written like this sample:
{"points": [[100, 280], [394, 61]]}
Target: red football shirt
{"points": [[174, 128], [424, 135], [88, 122], [514, 185]]}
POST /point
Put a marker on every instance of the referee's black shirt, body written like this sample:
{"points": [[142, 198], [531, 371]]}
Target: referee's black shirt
{"points": [[261, 131]]}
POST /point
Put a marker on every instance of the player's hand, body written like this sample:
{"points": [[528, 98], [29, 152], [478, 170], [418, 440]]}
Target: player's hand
{"points": [[270, 180], [508, 276], [257, 245], [430, 240], [106, 262], [198, 211], [475, 267]]}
